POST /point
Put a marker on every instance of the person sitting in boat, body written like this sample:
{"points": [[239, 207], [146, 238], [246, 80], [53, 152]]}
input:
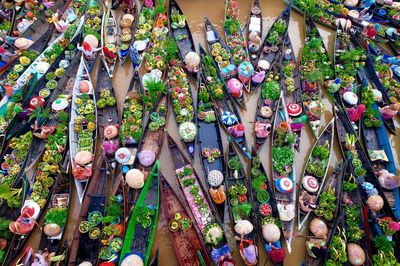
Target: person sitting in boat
{"points": [[248, 251], [390, 111], [109, 54], [6, 56], [297, 120], [237, 131], [254, 42], [89, 47]]}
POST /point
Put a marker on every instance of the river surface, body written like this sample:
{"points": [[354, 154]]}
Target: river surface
{"points": [[195, 10]]}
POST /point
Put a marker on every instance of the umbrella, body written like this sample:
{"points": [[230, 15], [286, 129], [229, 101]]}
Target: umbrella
{"points": [[228, 118]]}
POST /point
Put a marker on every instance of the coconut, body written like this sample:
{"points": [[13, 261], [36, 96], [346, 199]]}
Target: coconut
{"points": [[52, 229], [83, 157], [319, 228], [135, 178], [271, 233], [375, 203], [132, 260], [356, 254], [243, 227]]}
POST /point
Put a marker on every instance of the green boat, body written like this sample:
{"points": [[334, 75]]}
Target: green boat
{"points": [[143, 222]]}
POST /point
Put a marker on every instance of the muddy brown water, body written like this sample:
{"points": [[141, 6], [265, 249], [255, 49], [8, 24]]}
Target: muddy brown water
{"points": [[195, 10]]}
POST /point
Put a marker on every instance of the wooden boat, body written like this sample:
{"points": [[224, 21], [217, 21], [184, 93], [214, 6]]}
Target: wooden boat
{"points": [[240, 208], [283, 174], [264, 205], [329, 216], [314, 175], [378, 146], [217, 47], [254, 31], [210, 146], [205, 217], [183, 105], [48, 94], [311, 79], [227, 113], [185, 237], [107, 115], [45, 177], [267, 102], [354, 210], [344, 48], [291, 87], [270, 49], [93, 25], [109, 33], [58, 207], [326, 19], [82, 173], [351, 145], [180, 31], [149, 146], [143, 221], [113, 224], [83, 247], [126, 32], [235, 41], [141, 35], [369, 74], [130, 138], [156, 55]]}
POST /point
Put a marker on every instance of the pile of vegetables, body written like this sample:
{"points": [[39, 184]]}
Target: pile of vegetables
{"points": [[282, 151], [205, 109], [156, 57], [276, 32], [270, 89], [214, 83], [178, 19], [385, 76], [5, 237], [371, 116], [319, 161], [145, 24], [317, 13], [85, 122], [234, 38], [106, 99], [131, 125], [93, 21], [181, 94]]}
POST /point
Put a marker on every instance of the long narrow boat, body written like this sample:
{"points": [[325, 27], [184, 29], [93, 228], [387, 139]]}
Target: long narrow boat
{"points": [[200, 206], [223, 58], [46, 88], [85, 246], [265, 213], [142, 224], [180, 31], [131, 128], [283, 173], [126, 29], [109, 34], [142, 32], [56, 217], [314, 175], [107, 116], [93, 29], [291, 88], [240, 208], [314, 69], [141, 163], [325, 215], [62, 92], [16, 183], [227, 113], [255, 31], [237, 44], [379, 149], [82, 129], [183, 233], [183, 105], [45, 177], [369, 74], [370, 190], [348, 61], [113, 224], [270, 49], [267, 103], [211, 148]]}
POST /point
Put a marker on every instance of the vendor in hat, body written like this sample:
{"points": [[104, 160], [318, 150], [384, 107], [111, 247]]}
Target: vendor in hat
{"points": [[354, 110], [89, 47], [297, 120], [237, 131]]}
